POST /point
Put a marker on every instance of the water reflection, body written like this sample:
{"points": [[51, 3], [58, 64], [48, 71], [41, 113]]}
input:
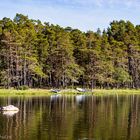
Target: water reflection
{"points": [[72, 118], [9, 113], [55, 97], [80, 98]]}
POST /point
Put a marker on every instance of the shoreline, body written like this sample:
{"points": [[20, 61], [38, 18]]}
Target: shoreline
{"points": [[47, 92]]}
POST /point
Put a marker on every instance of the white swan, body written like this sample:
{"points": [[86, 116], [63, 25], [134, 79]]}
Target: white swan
{"points": [[9, 108]]}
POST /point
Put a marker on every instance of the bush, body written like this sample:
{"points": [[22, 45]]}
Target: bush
{"points": [[24, 87]]}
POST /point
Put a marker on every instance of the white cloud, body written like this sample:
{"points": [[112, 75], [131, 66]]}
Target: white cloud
{"points": [[89, 15], [101, 3]]}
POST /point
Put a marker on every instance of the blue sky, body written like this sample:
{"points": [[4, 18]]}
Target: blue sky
{"points": [[81, 14]]}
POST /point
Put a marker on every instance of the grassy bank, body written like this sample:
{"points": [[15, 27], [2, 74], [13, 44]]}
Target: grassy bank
{"points": [[116, 91], [28, 92], [45, 92]]}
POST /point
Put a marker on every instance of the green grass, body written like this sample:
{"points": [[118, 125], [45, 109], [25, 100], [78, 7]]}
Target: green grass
{"points": [[28, 92], [116, 91], [35, 92], [45, 92]]}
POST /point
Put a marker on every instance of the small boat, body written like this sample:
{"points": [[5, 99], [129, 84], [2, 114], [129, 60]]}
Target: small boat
{"points": [[9, 108], [81, 89], [55, 90]]}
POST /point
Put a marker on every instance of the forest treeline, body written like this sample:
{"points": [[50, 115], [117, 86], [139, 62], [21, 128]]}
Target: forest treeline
{"points": [[45, 55]]}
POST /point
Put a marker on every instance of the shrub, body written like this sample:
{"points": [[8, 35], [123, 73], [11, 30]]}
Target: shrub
{"points": [[24, 87]]}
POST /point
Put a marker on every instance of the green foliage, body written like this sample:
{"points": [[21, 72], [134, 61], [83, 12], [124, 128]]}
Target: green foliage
{"points": [[121, 76], [24, 87], [45, 55]]}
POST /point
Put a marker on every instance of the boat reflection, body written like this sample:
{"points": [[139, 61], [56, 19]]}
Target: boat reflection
{"points": [[55, 97], [80, 98]]}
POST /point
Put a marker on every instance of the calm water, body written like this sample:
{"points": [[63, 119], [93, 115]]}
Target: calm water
{"points": [[72, 118]]}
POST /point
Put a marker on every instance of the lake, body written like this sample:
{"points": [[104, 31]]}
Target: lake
{"points": [[71, 118]]}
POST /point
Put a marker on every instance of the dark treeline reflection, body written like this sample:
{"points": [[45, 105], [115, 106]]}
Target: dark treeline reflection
{"points": [[72, 118]]}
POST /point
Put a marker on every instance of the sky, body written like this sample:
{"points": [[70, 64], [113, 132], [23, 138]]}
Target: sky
{"points": [[82, 14]]}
